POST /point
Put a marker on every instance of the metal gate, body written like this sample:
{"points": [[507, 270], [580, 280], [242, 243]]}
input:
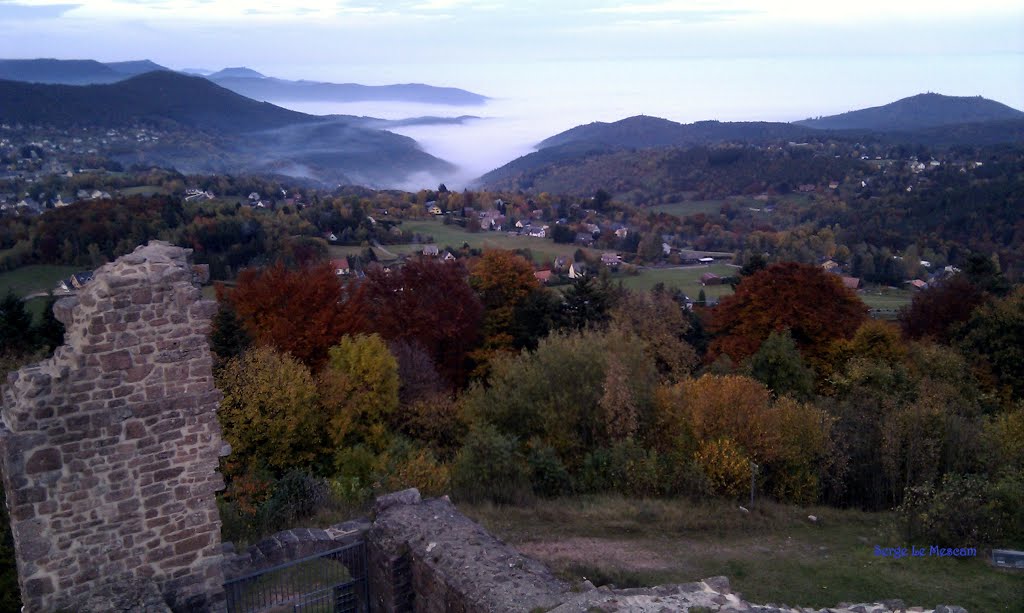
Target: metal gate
{"points": [[332, 582]]}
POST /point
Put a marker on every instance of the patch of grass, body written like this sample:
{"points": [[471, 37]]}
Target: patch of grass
{"points": [[686, 279], [143, 190], [690, 207], [771, 554], [885, 302], [34, 279]]}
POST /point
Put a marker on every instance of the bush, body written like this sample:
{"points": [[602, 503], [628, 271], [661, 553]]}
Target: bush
{"points": [[548, 475], [490, 467], [411, 466], [625, 468], [725, 465], [964, 510]]}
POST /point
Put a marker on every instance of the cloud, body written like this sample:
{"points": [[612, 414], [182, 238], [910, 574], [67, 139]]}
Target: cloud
{"points": [[18, 11]]}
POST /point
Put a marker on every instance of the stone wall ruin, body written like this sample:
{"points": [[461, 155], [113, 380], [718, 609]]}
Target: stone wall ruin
{"points": [[110, 448]]}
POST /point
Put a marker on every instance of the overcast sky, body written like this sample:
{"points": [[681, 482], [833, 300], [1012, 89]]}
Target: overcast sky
{"points": [[298, 38]]}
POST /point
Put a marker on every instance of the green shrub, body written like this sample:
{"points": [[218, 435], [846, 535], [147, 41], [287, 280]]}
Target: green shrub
{"points": [[625, 468], [964, 510], [548, 475], [296, 496], [490, 467]]}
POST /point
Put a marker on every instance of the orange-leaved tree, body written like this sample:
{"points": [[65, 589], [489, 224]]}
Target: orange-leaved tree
{"points": [[812, 304], [503, 281], [303, 312]]}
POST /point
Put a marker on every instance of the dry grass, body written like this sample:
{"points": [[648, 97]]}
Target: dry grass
{"points": [[774, 553]]}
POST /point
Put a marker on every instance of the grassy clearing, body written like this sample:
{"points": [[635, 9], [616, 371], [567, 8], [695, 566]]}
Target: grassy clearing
{"points": [[144, 190], [772, 554], [543, 250], [686, 279], [884, 302], [690, 207], [33, 279]]}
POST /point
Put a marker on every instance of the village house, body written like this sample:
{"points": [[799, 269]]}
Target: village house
{"points": [[710, 278], [611, 260], [544, 276], [430, 251], [577, 270], [341, 266]]}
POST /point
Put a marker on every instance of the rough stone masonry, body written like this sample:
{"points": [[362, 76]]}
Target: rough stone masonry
{"points": [[110, 448]]}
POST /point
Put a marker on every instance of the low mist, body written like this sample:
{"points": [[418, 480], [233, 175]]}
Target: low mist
{"points": [[530, 102]]}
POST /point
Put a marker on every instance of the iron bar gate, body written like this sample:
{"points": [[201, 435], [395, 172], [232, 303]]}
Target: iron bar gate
{"points": [[331, 582]]}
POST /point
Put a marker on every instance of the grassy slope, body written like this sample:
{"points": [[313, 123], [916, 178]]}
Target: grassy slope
{"points": [[773, 554], [32, 279]]}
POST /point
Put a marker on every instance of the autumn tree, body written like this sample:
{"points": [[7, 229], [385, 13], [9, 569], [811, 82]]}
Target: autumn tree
{"points": [[734, 417], [417, 374], [812, 304], [503, 281], [659, 320], [995, 332], [359, 390], [568, 394], [936, 310], [303, 312], [270, 413], [426, 302]]}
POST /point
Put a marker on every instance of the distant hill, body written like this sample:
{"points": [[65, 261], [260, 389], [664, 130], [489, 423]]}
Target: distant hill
{"points": [[917, 112], [238, 72], [643, 132], [152, 97], [67, 72], [133, 68], [258, 87], [216, 130], [239, 79]]}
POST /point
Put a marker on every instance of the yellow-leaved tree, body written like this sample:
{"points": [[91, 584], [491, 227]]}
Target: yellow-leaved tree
{"points": [[270, 413], [359, 391]]}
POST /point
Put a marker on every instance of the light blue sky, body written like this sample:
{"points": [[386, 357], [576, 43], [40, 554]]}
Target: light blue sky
{"points": [[298, 38]]}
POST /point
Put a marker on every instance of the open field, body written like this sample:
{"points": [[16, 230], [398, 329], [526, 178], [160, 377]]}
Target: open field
{"points": [[684, 278], [773, 554], [33, 279], [885, 303], [544, 250], [144, 190], [690, 207]]}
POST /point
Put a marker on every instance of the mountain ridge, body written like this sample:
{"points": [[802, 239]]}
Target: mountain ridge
{"points": [[240, 79], [218, 130], [927, 110]]}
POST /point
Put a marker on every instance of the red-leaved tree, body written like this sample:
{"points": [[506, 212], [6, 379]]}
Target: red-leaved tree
{"points": [[811, 303], [427, 303], [303, 312]]}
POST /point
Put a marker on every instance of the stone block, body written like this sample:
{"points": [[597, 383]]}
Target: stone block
{"points": [[43, 460]]}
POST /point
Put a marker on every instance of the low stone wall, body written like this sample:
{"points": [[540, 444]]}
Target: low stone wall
{"points": [[451, 564]]}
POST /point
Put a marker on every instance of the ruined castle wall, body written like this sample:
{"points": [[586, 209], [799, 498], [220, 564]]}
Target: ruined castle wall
{"points": [[425, 556], [110, 448]]}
